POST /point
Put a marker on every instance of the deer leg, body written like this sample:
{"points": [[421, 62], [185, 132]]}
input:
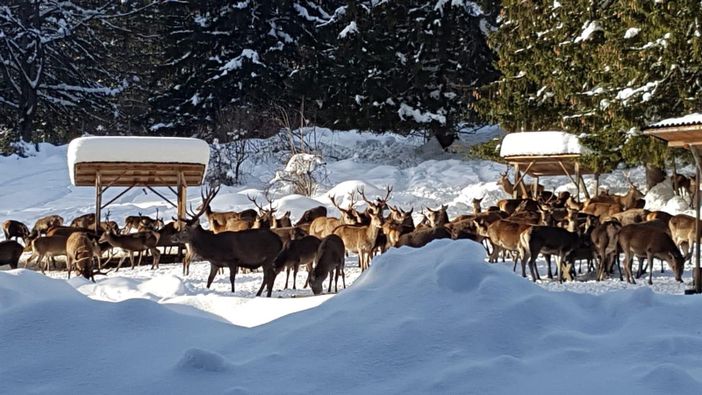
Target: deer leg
{"points": [[69, 265], [662, 267], [547, 257], [616, 259], [628, 260], [330, 282], [131, 259], [53, 262], [287, 275], [343, 276], [157, 258], [40, 262], [119, 265], [336, 280], [650, 272], [641, 270], [295, 269], [263, 283], [232, 275], [309, 270], [213, 273]]}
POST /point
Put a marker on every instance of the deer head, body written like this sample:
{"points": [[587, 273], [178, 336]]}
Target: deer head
{"points": [[192, 223], [380, 203]]}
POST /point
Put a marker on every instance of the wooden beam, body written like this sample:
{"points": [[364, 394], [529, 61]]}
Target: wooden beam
{"points": [[98, 201], [182, 199]]}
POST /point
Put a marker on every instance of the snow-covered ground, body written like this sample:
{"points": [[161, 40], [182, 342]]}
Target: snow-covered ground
{"points": [[432, 320]]}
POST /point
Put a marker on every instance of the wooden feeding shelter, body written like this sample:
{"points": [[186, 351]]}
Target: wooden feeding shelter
{"points": [[128, 162], [542, 154], [685, 132]]}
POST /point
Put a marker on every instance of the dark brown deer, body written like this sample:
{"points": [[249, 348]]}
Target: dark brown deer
{"points": [[311, 214], [251, 248], [421, 237], [649, 242], [15, 229], [477, 209], [437, 217], [403, 218], [134, 242], [329, 260], [548, 240], [297, 252], [682, 185], [10, 253], [511, 205]]}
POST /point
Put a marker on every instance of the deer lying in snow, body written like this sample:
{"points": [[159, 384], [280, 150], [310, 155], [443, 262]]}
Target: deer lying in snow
{"points": [[329, 260]]}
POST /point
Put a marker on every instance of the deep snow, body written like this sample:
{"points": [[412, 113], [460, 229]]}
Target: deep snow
{"points": [[435, 320]]}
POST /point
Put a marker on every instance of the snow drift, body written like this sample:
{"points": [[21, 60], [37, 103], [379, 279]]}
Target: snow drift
{"points": [[437, 319]]}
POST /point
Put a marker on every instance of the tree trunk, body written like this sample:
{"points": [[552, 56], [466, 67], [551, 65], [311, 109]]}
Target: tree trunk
{"points": [[654, 175]]}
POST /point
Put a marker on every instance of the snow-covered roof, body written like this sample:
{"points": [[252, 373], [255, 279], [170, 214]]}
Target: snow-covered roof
{"points": [[129, 149], [687, 120], [540, 144]]}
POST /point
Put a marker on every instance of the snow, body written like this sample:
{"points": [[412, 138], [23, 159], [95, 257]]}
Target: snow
{"points": [[540, 143], [351, 28], [689, 119], [405, 111], [631, 32], [303, 163], [238, 61], [433, 320], [136, 150], [589, 28]]}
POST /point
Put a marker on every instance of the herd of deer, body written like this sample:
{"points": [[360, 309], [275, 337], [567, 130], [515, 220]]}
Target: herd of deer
{"points": [[597, 231]]}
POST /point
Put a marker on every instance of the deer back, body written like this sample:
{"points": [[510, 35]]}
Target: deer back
{"points": [[311, 214], [10, 253]]}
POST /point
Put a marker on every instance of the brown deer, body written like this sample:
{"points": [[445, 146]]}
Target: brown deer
{"points": [[630, 216], [682, 231], [134, 242], [606, 248], [511, 205], [141, 223], [322, 227], [360, 239], [437, 217], [44, 223], [648, 242], [403, 218], [632, 199], [229, 221], [47, 246], [329, 259], [251, 248], [682, 185], [297, 252], [86, 221], [81, 250], [311, 214], [602, 210], [510, 189], [658, 215], [421, 237], [10, 253], [15, 229], [477, 209]]}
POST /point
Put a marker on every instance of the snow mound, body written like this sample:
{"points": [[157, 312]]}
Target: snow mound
{"points": [[430, 320], [540, 143]]}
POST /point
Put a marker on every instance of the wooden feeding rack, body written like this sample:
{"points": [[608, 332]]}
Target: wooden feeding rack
{"points": [[685, 132], [129, 162], [556, 154]]}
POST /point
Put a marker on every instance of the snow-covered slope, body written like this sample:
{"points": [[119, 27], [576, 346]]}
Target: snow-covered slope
{"points": [[435, 320]]}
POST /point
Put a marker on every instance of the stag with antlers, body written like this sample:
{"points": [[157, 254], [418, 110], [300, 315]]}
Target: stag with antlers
{"points": [[251, 248]]}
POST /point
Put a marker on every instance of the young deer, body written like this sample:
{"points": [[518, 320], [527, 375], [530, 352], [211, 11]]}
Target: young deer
{"points": [[134, 242], [329, 259], [297, 252], [47, 246]]}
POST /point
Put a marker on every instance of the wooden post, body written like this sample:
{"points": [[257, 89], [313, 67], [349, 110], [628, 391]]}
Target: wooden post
{"points": [[696, 273], [182, 198], [577, 180], [517, 178], [98, 200], [535, 192], [597, 184]]}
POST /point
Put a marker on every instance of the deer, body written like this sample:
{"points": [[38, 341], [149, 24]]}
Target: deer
{"points": [[648, 242], [250, 248], [632, 199], [15, 229], [329, 259], [509, 187], [403, 218], [134, 242], [361, 239], [324, 226], [231, 221], [421, 237], [630, 216], [297, 252], [437, 217], [311, 214], [682, 231], [10, 253], [81, 250], [141, 223], [511, 205], [86, 221], [682, 185], [47, 246], [503, 235], [606, 248], [602, 210], [266, 216], [476, 205], [548, 240], [44, 223]]}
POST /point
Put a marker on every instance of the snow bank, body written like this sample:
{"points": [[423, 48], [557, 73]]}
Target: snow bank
{"points": [[432, 320], [540, 143], [137, 149]]}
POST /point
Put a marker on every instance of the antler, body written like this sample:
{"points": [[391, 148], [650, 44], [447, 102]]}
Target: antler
{"points": [[207, 197], [107, 216], [253, 200], [627, 177]]}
